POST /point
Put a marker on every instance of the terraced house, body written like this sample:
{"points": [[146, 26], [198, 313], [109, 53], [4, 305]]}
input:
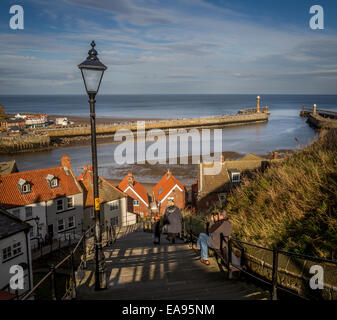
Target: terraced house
{"points": [[210, 188], [138, 193], [50, 200], [169, 188], [14, 251], [116, 207]]}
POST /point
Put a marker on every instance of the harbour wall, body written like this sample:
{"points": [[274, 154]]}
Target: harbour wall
{"points": [[44, 139], [228, 120], [24, 143]]}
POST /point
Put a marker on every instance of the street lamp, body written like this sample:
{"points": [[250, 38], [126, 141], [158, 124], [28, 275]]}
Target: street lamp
{"points": [[92, 72]]}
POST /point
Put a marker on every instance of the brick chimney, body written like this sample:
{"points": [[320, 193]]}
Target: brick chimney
{"points": [[66, 162], [275, 155], [258, 104], [130, 179], [169, 173]]}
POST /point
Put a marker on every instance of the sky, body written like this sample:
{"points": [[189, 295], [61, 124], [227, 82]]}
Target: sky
{"points": [[170, 46]]}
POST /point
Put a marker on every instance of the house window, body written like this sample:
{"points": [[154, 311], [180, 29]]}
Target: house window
{"points": [[236, 177], [6, 253], [70, 202], [92, 213], [60, 225], [25, 188], [71, 222], [16, 248], [29, 212], [31, 234], [59, 205], [136, 202], [114, 221], [54, 183], [114, 205]]}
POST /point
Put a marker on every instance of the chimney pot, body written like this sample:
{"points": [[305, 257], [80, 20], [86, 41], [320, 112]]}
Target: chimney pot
{"points": [[66, 162], [130, 179]]}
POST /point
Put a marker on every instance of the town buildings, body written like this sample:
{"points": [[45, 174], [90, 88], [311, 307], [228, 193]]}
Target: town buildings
{"points": [[210, 188], [7, 125], [25, 121], [168, 188], [50, 200], [14, 251], [138, 193], [116, 207]]}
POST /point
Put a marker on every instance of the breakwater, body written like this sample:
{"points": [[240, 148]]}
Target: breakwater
{"points": [[24, 143], [219, 121], [320, 119], [80, 135]]}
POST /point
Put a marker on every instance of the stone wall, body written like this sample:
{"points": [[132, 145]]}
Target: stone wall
{"points": [[24, 143], [321, 123], [229, 120]]}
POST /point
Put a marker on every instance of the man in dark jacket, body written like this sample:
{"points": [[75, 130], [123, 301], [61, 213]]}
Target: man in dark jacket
{"points": [[173, 218], [204, 242]]}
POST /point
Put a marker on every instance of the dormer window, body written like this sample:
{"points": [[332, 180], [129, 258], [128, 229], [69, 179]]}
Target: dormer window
{"points": [[24, 186], [234, 175], [52, 181], [160, 191]]}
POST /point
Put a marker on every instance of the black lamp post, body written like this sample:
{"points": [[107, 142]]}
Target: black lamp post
{"points": [[92, 72]]}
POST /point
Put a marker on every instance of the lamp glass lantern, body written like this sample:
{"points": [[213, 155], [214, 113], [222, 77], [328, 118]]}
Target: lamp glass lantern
{"points": [[92, 71]]}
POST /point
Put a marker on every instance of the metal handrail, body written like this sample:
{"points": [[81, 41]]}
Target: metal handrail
{"points": [[273, 283], [54, 268]]}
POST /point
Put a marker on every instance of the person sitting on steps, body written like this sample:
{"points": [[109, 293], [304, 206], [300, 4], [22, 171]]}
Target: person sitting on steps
{"points": [[219, 225]]}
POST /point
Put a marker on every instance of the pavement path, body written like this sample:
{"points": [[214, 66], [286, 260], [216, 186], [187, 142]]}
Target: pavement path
{"points": [[139, 270]]}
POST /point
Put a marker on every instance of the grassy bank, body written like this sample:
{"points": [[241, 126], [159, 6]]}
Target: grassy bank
{"points": [[292, 205]]}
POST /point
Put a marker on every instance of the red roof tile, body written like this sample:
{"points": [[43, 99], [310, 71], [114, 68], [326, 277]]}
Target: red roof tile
{"points": [[136, 186], [167, 182], [11, 196]]}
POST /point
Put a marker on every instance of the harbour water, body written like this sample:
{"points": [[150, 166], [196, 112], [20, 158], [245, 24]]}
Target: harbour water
{"points": [[284, 130]]}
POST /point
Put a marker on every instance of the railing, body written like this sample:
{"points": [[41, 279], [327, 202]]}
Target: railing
{"points": [[40, 249], [320, 111], [229, 245], [254, 110], [70, 258]]}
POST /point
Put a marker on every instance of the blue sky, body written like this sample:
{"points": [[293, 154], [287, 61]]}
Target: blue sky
{"points": [[170, 46]]}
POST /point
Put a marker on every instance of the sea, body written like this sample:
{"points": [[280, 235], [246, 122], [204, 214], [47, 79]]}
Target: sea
{"points": [[285, 129]]}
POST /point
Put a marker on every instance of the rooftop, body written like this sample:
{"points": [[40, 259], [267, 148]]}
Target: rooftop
{"points": [[10, 225], [130, 181], [165, 185], [107, 192], [11, 195], [8, 167]]}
